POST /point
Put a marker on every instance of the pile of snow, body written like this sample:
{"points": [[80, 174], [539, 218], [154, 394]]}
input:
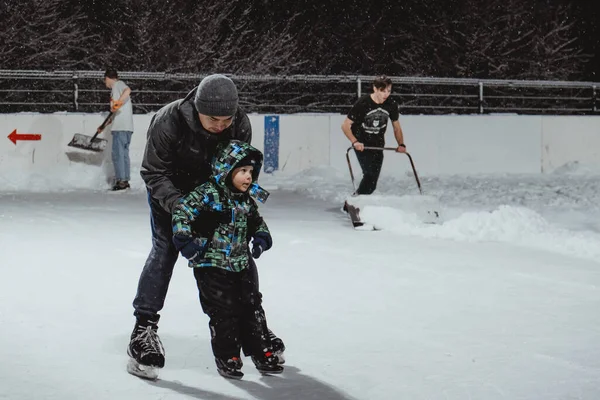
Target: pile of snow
{"points": [[509, 224], [577, 168], [517, 209], [64, 178], [417, 208]]}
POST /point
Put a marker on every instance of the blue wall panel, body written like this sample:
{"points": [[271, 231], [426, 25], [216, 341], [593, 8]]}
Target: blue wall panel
{"points": [[271, 143]]}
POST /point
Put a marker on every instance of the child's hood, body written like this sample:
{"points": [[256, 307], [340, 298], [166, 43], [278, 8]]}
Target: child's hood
{"points": [[226, 160]]}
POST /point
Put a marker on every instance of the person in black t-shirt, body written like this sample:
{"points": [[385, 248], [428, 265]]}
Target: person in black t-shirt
{"points": [[366, 124]]}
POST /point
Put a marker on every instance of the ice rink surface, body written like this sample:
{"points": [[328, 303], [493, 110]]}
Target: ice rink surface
{"points": [[500, 301]]}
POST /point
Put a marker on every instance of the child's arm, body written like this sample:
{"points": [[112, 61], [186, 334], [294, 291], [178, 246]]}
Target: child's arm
{"points": [[185, 213], [256, 223], [258, 231]]}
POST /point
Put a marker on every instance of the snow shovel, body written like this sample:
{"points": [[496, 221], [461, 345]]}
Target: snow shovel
{"points": [[92, 143], [434, 215]]}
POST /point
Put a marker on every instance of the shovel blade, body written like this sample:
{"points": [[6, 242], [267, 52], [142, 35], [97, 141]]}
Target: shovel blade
{"points": [[85, 142]]}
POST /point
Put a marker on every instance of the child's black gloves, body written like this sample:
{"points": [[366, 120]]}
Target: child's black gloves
{"points": [[190, 248], [261, 242]]}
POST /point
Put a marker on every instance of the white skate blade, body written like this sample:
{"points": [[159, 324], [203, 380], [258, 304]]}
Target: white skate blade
{"points": [[280, 357], [227, 376], [142, 371], [269, 373]]}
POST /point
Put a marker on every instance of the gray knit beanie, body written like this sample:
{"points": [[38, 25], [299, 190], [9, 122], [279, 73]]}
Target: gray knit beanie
{"points": [[216, 96]]}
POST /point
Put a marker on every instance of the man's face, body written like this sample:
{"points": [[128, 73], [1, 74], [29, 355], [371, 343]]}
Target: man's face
{"points": [[382, 94], [215, 124]]}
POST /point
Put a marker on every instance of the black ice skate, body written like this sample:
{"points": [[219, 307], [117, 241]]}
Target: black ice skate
{"points": [[278, 347], [267, 363], [230, 368], [145, 350]]}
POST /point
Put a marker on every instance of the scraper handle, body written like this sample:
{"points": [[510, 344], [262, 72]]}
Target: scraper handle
{"points": [[412, 164]]}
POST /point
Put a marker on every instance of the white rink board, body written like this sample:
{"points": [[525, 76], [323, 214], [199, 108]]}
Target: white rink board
{"points": [[451, 144]]}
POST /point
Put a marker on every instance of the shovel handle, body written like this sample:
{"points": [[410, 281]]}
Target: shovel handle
{"points": [[412, 164], [106, 121]]}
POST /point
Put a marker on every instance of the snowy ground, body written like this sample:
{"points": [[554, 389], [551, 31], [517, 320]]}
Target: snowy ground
{"points": [[499, 302]]}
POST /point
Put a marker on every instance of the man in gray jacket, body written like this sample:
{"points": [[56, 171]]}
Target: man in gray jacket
{"points": [[181, 142]]}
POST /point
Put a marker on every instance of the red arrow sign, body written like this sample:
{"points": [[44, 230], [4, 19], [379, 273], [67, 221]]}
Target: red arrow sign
{"points": [[14, 136]]}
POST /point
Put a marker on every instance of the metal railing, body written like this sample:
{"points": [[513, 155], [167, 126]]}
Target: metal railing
{"points": [[84, 91]]}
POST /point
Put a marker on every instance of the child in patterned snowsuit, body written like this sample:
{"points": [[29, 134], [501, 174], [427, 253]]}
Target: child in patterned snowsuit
{"points": [[212, 228]]}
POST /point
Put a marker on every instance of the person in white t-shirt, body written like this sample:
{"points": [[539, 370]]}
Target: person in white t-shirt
{"points": [[122, 127]]}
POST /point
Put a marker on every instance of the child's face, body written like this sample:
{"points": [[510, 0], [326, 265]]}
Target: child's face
{"points": [[242, 177]]}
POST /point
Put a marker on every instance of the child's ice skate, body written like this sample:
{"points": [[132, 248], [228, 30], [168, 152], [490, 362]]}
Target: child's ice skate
{"points": [[145, 350], [230, 368], [267, 363], [278, 347]]}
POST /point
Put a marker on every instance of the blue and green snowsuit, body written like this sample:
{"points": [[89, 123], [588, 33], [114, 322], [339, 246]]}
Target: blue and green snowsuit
{"points": [[212, 226]]}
